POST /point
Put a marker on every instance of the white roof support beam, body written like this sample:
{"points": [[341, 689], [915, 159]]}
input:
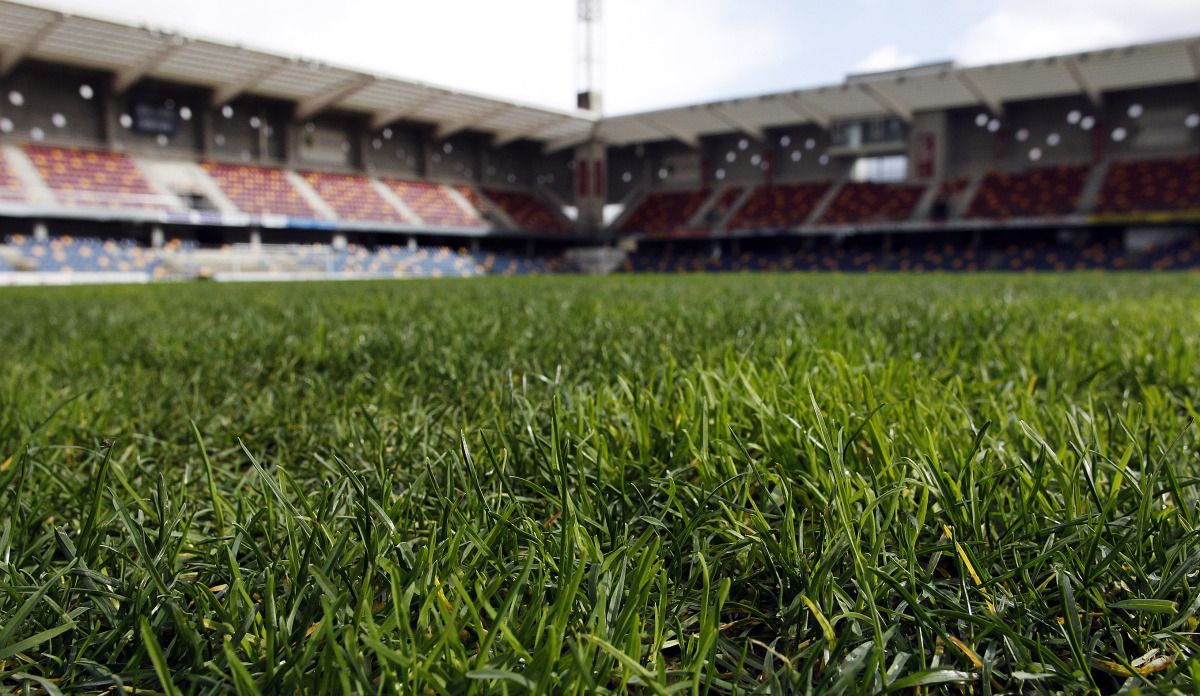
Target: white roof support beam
{"points": [[383, 118], [688, 139], [319, 102], [1194, 53], [132, 75], [1093, 93], [734, 121], [12, 57], [227, 93], [445, 130], [570, 141], [805, 110], [505, 137], [889, 105], [994, 105]]}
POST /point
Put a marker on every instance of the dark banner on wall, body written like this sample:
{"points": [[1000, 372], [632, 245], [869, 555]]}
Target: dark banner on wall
{"points": [[155, 119]]}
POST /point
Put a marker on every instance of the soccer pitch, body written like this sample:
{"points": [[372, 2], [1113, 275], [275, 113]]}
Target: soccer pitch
{"points": [[708, 484]]}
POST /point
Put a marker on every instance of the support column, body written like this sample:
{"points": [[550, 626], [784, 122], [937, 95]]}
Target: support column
{"points": [[156, 236], [255, 240], [591, 186], [40, 231]]}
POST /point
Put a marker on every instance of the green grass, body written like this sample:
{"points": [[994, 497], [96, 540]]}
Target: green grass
{"points": [[776, 484]]}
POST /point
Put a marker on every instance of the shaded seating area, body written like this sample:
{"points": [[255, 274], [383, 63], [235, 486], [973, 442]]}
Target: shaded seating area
{"points": [[778, 206], [663, 212], [1151, 186], [1041, 192], [860, 201], [528, 211]]}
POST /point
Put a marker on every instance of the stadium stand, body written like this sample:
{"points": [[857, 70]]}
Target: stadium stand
{"points": [[85, 255], [259, 190], [721, 207], [11, 188], [1041, 192], [663, 212], [353, 197], [872, 202], [434, 204], [778, 207], [92, 178], [527, 211], [1151, 186]]}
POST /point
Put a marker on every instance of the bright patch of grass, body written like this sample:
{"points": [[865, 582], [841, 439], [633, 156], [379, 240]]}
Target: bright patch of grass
{"points": [[702, 485]]}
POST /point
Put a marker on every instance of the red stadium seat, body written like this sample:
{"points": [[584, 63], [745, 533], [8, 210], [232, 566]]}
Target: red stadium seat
{"points": [[1043, 192], [528, 211], [259, 190], [353, 197], [433, 204], [1151, 186], [872, 202], [664, 212], [93, 179], [777, 207], [11, 188]]}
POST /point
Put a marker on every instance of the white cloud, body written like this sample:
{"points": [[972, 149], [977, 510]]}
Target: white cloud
{"points": [[887, 57], [1020, 29]]}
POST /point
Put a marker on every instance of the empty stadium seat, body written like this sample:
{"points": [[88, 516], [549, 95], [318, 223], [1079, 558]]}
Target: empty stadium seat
{"points": [[259, 190], [93, 179], [434, 204], [663, 212], [1151, 186], [71, 255], [1043, 192], [528, 211], [353, 197], [861, 201], [11, 188], [778, 206]]}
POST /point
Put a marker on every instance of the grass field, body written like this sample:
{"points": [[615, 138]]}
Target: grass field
{"points": [[833, 484]]}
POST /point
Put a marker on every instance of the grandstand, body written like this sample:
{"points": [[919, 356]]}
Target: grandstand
{"points": [[229, 151]]}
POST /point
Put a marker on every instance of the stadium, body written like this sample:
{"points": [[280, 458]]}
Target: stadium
{"points": [[880, 385], [180, 158]]}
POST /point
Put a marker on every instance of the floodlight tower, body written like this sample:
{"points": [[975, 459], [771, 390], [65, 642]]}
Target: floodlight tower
{"points": [[590, 54], [590, 159]]}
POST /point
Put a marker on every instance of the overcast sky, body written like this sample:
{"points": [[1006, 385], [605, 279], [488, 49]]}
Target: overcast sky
{"points": [[659, 52]]}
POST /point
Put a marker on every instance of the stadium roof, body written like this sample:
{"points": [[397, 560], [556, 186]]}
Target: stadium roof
{"points": [[133, 53], [902, 93]]}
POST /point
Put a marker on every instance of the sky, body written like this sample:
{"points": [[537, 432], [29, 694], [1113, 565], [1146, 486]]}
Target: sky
{"points": [[658, 53]]}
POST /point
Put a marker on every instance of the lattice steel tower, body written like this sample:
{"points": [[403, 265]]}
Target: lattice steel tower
{"points": [[590, 54]]}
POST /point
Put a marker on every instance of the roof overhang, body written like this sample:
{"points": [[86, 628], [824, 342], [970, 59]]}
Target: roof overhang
{"points": [[132, 54]]}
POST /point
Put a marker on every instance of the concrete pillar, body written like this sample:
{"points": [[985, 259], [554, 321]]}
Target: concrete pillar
{"points": [[591, 186], [109, 117], [474, 246], [156, 236], [264, 143], [204, 124], [339, 242], [412, 243], [255, 240], [40, 231]]}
